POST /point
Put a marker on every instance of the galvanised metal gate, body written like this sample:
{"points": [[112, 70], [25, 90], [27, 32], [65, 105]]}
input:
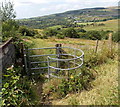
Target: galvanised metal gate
{"points": [[61, 60]]}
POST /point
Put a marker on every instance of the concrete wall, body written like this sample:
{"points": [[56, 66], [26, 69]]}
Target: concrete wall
{"points": [[7, 54]]}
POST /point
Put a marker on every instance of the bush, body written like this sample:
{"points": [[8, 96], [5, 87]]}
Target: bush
{"points": [[93, 59], [93, 35], [26, 31], [9, 29], [104, 34], [116, 36], [50, 32], [16, 91], [40, 36], [76, 83], [80, 30], [60, 36], [82, 35], [70, 32]]}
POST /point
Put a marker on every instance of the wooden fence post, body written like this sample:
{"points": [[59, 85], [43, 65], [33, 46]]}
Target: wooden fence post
{"points": [[110, 42], [96, 46], [58, 52]]}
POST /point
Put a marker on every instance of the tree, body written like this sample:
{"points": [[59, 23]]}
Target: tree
{"points": [[50, 32], [9, 29], [7, 11], [9, 25], [71, 32], [26, 31], [94, 35]]}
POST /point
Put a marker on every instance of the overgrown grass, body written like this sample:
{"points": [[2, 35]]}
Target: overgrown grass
{"points": [[100, 75], [82, 82], [104, 91]]}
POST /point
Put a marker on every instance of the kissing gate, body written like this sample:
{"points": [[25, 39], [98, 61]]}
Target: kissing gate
{"points": [[57, 61]]}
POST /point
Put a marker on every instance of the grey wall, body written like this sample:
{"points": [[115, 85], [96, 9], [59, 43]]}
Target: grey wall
{"points": [[7, 54]]}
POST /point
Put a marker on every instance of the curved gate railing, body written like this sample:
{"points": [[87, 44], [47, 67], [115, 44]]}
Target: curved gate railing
{"points": [[65, 59]]}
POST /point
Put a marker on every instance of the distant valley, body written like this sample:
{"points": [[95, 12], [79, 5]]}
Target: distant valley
{"points": [[72, 17]]}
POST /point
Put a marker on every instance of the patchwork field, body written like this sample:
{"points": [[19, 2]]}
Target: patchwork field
{"points": [[109, 25]]}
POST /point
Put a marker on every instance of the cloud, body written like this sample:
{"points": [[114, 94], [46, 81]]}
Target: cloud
{"points": [[44, 7], [72, 1], [36, 1]]}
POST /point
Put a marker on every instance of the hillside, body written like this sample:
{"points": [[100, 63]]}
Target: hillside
{"points": [[111, 25], [104, 86], [71, 17]]}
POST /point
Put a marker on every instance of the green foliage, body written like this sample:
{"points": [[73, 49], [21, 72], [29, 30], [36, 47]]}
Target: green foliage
{"points": [[7, 11], [70, 32], [80, 30], [94, 59], [82, 35], [82, 81], [26, 31], [76, 83], [60, 36], [16, 90], [50, 32], [9, 26], [94, 35], [116, 36], [9, 29], [40, 36], [71, 18], [104, 34]]}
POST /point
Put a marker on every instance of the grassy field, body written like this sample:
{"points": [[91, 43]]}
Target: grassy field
{"points": [[109, 25], [104, 92], [104, 89], [57, 26]]}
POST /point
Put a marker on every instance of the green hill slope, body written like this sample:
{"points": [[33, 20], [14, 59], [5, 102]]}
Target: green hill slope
{"points": [[74, 16]]}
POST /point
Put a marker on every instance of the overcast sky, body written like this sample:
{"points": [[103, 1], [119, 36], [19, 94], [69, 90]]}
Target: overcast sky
{"points": [[33, 8]]}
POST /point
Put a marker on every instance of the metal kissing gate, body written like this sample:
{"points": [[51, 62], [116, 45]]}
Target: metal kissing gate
{"points": [[57, 61]]}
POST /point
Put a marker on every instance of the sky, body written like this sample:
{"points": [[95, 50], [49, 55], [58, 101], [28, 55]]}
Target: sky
{"points": [[34, 8]]}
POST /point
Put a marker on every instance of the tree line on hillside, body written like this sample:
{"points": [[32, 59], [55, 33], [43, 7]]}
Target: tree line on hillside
{"points": [[71, 32], [11, 28], [65, 23], [83, 15]]}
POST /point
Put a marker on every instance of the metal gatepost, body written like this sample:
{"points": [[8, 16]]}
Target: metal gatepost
{"points": [[69, 60]]}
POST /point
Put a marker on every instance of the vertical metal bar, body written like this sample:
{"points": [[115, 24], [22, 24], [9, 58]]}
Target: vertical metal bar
{"points": [[68, 70], [74, 56], [83, 58], [57, 52], [25, 60], [75, 60], [58, 47], [48, 67], [28, 61]]}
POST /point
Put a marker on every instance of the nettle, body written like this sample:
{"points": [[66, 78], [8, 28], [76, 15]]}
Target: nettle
{"points": [[15, 89], [75, 83], [10, 88]]}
